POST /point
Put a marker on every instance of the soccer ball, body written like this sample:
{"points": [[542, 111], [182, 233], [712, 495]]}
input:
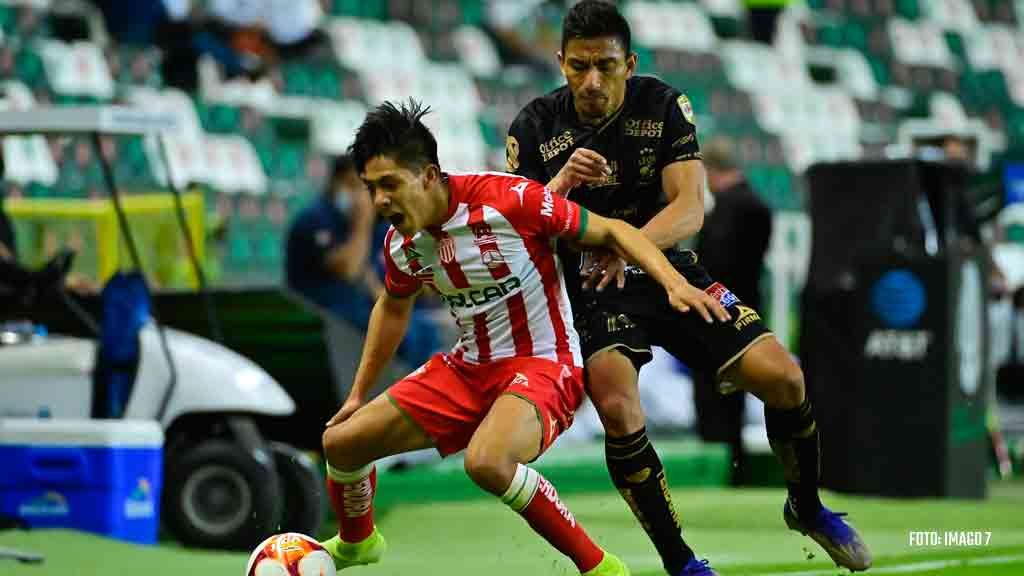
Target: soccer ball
{"points": [[290, 554]]}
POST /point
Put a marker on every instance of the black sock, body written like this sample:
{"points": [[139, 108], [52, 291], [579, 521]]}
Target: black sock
{"points": [[793, 436], [637, 473]]}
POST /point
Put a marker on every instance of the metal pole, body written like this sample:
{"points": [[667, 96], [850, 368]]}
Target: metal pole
{"points": [[179, 209], [108, 177]]}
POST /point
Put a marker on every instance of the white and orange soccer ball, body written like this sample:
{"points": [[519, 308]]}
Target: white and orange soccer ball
{"points": [[290, 554]]}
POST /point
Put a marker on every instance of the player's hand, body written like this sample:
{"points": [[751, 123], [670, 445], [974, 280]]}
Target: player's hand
{"points": [[684, 297], [347, 410], [583, 167], [602, 268]]}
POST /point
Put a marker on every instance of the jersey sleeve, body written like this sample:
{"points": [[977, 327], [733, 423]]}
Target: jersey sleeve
{"points": [[550, 215], [522, 151], [396, 281], [680, 140]]}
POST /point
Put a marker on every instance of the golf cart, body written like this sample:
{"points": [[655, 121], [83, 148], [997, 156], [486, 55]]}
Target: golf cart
{"points": [[225, 484]]}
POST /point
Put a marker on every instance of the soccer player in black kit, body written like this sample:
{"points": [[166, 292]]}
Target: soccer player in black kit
{"points": [[625, 146]]}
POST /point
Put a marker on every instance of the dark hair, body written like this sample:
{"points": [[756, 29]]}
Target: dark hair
{"points": [[594, 19], [342, 165], [397, 132]]}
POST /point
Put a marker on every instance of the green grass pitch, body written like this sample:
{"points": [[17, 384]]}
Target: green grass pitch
{"points": [[740, 531]]}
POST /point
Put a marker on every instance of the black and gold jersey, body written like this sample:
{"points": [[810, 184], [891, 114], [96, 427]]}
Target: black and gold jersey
{"points": [[653, 128]]}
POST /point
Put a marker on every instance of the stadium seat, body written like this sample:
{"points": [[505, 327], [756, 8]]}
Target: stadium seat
{"points": [[908, 9], [7, 21], [658, 25], [28, 159], [77, 69], [360, 8], [957, 15], [476, 51], [232, 164], [368, 45], [28, 67], [334, 124]]}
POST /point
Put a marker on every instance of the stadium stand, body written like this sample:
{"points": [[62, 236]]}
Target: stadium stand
{"points": [[846, 79]]}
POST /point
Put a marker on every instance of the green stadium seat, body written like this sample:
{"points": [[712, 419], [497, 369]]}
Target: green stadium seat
{"points": [[956, 45], [855, 35], [376, 9], [880, 69], [830, 34], [472, 12], [222, 119], [908, 9], [1015, 128], [28, 67], [8, 20]]}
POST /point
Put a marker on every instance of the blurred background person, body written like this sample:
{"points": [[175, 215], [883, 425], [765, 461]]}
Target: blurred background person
{"points": [[732, 244], [327, 258]]}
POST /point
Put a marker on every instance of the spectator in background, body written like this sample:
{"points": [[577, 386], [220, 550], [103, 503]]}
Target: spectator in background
{"points": [[180, 31], [19, 286], [327, 258], [961, 150], [732, 243], [270, 30]]}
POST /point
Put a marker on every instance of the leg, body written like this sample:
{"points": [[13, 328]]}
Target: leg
{"points": [[510, 435], [632, 461], [720, 419], [767, 371], [376, 430]]}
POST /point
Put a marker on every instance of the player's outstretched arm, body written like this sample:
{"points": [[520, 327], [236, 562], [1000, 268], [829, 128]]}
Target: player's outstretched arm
{"points": [[388, 323], [631, 244]]}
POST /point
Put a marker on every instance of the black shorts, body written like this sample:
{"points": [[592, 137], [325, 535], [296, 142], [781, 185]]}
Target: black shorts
{"points": [[639, 316]]}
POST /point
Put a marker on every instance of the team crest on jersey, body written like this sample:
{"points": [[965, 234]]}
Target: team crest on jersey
{"points": [[446, 250], [511, 154], [647, 159], [492, 258], [482, 233], [686, 108]]}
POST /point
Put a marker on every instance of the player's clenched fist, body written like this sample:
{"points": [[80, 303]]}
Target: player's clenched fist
{"points": [[683, 296], [583, 167]]}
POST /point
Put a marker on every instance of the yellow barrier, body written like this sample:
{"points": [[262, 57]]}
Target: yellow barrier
{"points": [[44, 225]]}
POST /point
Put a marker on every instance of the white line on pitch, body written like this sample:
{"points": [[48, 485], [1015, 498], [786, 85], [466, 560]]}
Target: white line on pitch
{"points": [[910, 568]]}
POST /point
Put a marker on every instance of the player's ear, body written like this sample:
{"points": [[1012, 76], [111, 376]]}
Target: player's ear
{"points": [[431, 175], [631, 61]]}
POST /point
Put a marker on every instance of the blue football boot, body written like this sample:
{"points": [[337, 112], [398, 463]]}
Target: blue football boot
{"points": [[831, 532]]}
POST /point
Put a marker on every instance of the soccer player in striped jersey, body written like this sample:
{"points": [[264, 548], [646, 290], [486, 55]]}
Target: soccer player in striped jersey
{"points": [[485, 243]]}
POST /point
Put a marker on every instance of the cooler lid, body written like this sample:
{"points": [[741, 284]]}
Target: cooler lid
{"points": [[73, 432]]}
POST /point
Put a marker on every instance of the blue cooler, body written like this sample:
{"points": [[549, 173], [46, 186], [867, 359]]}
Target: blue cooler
{"points": [[102, 476]]}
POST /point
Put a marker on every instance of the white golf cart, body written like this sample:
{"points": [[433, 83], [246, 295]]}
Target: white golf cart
{"points": [[225, 485]]}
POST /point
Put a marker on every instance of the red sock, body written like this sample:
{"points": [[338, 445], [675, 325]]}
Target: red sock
{"points": [[537, 502], [351, 496]]}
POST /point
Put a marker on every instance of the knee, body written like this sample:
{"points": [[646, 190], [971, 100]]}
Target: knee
{"points": [[340, 448], [621, 414], [789, 387], [491, 471], [613, 388]]}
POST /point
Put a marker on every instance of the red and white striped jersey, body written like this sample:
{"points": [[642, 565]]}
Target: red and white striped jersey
{"points": [[493, 262]]}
